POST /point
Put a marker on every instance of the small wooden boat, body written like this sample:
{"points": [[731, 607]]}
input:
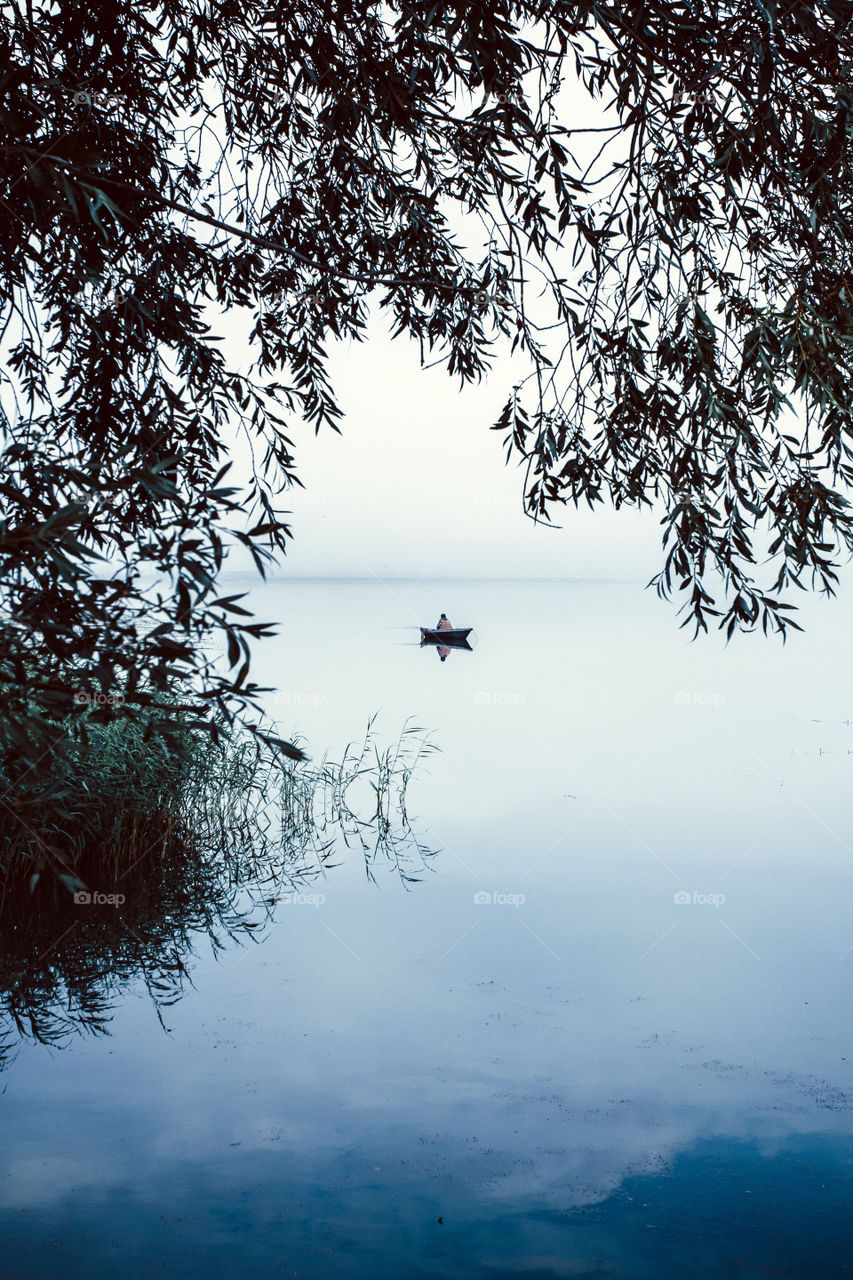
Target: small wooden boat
{"points": [[455, 638]]}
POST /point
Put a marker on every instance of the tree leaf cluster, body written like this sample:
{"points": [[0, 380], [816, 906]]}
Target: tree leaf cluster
{"points": [[678, 275]]}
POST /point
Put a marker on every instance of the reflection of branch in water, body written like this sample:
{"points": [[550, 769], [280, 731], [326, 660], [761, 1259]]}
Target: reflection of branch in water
{"points": [[64, 967], [148, 939]]}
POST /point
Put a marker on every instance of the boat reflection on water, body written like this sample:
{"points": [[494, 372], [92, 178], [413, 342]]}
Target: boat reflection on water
{"points": [[445, 637]]}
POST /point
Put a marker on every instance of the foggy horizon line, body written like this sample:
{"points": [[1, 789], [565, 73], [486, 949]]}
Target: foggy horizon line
{"points": [[378, 580]]}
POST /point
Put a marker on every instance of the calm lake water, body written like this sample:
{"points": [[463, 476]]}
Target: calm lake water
{"points": [[607, 1034]]}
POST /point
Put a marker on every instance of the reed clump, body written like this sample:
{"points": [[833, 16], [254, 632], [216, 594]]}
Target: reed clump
{"points": [[142, 843], [124, 790]]}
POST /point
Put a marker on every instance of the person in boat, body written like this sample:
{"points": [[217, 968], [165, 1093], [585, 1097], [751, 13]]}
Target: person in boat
{"points": [[444, 625]]}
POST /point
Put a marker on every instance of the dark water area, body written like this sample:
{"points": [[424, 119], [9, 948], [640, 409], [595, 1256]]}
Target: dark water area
{"points": [[607, 1032], [723, 1209]]}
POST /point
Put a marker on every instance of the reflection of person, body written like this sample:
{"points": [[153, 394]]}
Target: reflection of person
{"points": [[443, 625]]}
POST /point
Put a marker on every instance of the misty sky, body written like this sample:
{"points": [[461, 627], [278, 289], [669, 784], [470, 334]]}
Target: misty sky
{"points": [[416, 485]]}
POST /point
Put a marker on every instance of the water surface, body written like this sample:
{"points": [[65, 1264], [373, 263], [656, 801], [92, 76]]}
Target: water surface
{"points": [[608, 1033]]}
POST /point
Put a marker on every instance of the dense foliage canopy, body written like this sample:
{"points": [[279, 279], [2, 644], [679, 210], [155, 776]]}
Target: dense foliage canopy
{"points": [[674, 257]]}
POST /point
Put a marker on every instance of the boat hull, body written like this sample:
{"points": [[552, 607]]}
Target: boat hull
{"points": [[453, 639]]}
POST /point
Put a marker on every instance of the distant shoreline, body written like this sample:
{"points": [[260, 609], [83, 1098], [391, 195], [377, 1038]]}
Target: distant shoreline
{"points": [[379, 580]]}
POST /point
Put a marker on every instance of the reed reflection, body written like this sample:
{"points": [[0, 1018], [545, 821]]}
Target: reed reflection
{"points": [[252, 836]]}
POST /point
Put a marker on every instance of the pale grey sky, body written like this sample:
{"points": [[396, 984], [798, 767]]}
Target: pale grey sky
{"points": [[417, 485]]}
